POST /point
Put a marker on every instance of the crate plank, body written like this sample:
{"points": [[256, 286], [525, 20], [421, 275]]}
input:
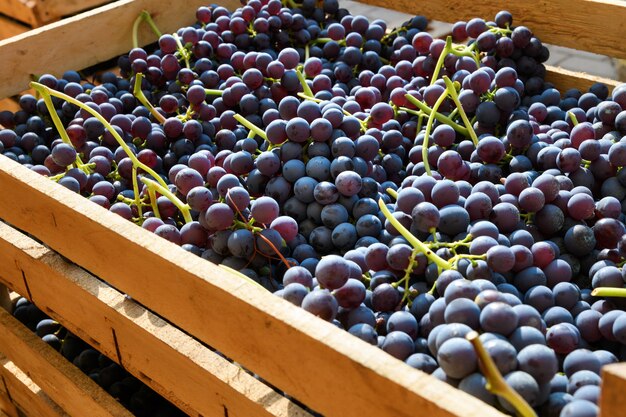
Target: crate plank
{"points": [[273, 338], [7, 407], [25, 393], [565, 79], [190, 375], [612, 402], [10, 27], [22, 10], [105, 32], [50, 10], [66, 385], [558, 22]]}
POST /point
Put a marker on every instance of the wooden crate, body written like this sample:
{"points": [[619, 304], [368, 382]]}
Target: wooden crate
{"points": [[35, 13], [180, 303]]}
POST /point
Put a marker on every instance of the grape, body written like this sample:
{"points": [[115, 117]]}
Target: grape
{"points": [[398, 344], [498, 317], [457, 358], [364, 332], [539, 361], [320, 303], [525, 386]]}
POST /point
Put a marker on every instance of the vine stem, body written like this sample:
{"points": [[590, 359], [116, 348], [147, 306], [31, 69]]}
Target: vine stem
{"points": [[440, 117], [609, 292], [138, 92], [413, 241], [495, 382], [250, 126], [429, 126], [184, 208], [452, 92]]}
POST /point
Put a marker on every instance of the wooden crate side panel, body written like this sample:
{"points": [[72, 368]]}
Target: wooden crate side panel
{"points": [[51, 10], [7, 407], [10, 27], [590, 25], [22, 10], [564, 79], [24, 393], [612, 398], [88, 39], [275, 339], [66, 385], [190, 375]]}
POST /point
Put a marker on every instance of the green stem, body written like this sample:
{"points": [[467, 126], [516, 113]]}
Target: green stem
{"points": [[440, 117], [608, 292], [136, 192], [138, 92], [212, 92], [572, 117], [452, 92], [446, 49], [153, 202], [182, 51], [250, 126], [413, 241], [143, 16], [59, 126], [305, 86], [495, 382], [184, 208], [429, 126]]}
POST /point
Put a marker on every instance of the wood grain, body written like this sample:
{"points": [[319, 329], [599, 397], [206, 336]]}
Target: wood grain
{"points": [[612, 399], [590, 25], [312, 360], [87, 39], [50, 10], [564, 79], [66, 385], [10, 27], [27, 395], [22, 10], [196, 379]]}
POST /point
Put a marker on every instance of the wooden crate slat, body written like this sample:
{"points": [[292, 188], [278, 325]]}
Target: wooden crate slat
{"points": [[66, 385], [10, 27], [105, 32], [564, 79], [24, 393], [7, 407], [51, 10], [193, 377], [22, 10], [612, 399], [591, 25], [275, 339]]}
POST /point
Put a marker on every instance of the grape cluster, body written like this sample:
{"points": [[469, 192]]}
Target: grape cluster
{"points": [[128, 390], [410, 190]]}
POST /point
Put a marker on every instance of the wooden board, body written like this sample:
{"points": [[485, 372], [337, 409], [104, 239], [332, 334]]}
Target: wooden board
{"points": [[105, 32], [10, 27], [312, 360], [590, 25], [190, 375], [612, 398], [66, 385], [25, 393], [22, 10], [565, 79]]}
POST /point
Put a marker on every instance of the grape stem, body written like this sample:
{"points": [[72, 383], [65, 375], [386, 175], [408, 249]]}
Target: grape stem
{"points": [[184, 208], [572, 117], [608, 292], [182, 51], [250, 126], [452, 92], [429, 126], [145, 17], [495, 382], [440, 117], [138, 92], [302, 79], [413, 241]]}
